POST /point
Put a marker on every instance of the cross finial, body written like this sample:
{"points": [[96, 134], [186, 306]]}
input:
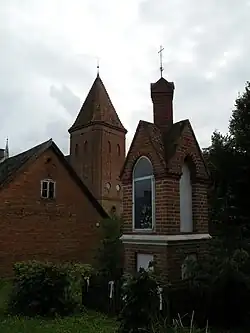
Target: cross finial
{"points": [[161, 66], [98, 66]]}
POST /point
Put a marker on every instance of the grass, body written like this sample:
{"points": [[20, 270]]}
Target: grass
{"points": [[86, 323]]}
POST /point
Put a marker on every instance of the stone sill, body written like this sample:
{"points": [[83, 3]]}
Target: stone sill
{"points": [[161, 239]]}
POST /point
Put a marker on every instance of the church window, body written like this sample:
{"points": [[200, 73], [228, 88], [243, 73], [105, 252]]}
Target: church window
{"points": [[76, 150], [144, 261], [48, 189], [118, 150], [186, 214], [143, 195], [85, 147], [109, 147]]}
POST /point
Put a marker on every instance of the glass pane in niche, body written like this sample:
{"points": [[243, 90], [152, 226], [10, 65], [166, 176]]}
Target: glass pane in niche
{"points": [[143, 168], [143, 204]]}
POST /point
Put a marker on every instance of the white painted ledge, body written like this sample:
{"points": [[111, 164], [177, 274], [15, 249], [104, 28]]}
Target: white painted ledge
{"points": [[160, 239]]}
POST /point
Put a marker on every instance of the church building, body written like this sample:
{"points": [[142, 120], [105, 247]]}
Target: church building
{"points": [[165, 182], [51, 205], [97, 147]]}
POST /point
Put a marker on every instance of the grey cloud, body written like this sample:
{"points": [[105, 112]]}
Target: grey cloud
{"points": [[30, 73], [224, 26], [66, 98]]}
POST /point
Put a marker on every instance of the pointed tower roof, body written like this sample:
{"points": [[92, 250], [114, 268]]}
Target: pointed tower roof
{"points": [[97, 108]]}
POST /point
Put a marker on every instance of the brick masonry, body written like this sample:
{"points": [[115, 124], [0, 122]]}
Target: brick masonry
{"points": [[100, 157], [168, 259], [60, 229], [167, 173]]}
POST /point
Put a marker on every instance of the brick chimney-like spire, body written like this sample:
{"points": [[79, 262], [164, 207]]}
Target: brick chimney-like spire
{"points": [[162, 93]]}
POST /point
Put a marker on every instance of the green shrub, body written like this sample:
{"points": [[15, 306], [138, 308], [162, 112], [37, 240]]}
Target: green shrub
{"points": [[46, 289], [141, 303], [5, 290]]}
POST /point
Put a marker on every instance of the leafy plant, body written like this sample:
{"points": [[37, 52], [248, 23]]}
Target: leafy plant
{"points": [[141, 302], [110, 253], [46, 289]]}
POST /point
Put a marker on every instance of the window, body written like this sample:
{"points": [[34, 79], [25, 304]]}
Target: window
{"points": [[109, 147], [144, 261], [48, 189], [76, 149], [188, 266], [143, 195], [186, 214], [118, 150]]}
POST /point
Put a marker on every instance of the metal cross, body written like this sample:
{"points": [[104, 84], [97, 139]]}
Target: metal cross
{"points": [[98, 66], [160, 52]]}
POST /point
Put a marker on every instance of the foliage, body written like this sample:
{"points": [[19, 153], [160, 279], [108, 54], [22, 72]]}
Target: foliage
{"points": [[141, 303], [110, 253], [222, 282], [5, 290], [46, 289], [229, 163]]}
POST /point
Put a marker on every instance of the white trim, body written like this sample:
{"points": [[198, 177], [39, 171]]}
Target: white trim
{"points": [[143, 156], [160, 239], [142, 178], [47, 180], [152, 202], [151, 177]]}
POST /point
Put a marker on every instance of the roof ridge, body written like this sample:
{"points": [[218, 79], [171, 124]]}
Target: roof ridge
{"points": [[47, 142]]}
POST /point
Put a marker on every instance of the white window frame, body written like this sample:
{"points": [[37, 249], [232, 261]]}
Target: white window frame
{"points": [[151, 177], [48, 181]]}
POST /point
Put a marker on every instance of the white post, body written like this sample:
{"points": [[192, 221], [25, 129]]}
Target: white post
{"points": [[111, 292]]}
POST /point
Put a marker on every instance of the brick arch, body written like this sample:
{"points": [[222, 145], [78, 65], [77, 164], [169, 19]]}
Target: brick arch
{"points": [[136, 158]]}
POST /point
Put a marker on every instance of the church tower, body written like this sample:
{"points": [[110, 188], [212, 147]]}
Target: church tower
{"points": [[97, 147]]}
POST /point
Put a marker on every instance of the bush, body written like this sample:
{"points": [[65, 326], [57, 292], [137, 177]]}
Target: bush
{"points": [[222, 282], [141, 303], [46, 289]]}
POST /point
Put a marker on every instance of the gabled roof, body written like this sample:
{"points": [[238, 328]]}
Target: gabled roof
{"points": [[164, 143], [10, 166], [155, 137], [97, 108]]}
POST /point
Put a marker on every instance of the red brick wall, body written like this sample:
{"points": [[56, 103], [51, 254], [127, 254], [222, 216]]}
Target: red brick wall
{"points": [[102, 163], [168, 259], [34, 228], [167, 201]]}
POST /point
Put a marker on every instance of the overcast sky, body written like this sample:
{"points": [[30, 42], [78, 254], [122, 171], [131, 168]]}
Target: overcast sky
{"points": [[49, 52]]}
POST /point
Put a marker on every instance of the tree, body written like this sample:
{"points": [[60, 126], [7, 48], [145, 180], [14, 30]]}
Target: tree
{"points": [[229, 163], [110, 253]]}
